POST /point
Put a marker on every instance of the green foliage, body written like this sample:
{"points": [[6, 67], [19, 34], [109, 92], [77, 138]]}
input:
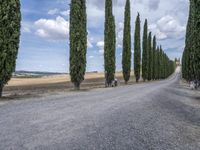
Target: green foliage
{"points": [[137, 49], [197, 41], [157, 60], [154, 59], [10, 18], [78, 41], [145, 52], [191, 58], [126, 56], [109, 43], [149, 57]]}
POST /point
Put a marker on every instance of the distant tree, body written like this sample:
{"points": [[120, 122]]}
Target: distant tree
{"points": [[157, 63], [149, 56], [126, 56], [78, 41], [145, 52], [154, 58], [10, 24], [137, 49], [161, 63], [110, 42]]}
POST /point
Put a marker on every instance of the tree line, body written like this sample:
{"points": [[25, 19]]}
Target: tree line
{"points": [[152, 63], [191, 54]]}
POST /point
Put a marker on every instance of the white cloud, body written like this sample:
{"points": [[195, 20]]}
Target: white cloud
{"points": [[26, 29], [53, 11], [91, 57], [153, 4], [51, 29], [89, 44], [167, 27], [57, 11], [65, 13], [100, 45]]}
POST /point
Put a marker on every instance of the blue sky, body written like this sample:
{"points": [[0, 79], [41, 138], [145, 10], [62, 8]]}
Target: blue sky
{"points": [[44, 42]]}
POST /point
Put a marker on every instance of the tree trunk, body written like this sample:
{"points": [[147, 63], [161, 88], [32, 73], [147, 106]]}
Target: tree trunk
{"points": [[126, 82], [76, 86]]}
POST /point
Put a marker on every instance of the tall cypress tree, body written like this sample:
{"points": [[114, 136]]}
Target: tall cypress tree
{"points": [[109, 40], [149, 57], [126, 56], [161, 63], [197, 40], [10, 18], [78, 41], [154, 59], [137, 49], [145, 52], [188, 69], [157, 63]]}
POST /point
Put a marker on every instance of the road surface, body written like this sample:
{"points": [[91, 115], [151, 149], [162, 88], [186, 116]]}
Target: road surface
{"points": [[161, 115]]}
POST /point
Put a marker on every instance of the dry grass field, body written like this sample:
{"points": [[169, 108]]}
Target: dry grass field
{"points": [[23, 87]]}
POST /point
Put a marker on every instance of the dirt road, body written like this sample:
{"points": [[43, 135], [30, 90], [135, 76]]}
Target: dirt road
{"points": [[160, 115]]}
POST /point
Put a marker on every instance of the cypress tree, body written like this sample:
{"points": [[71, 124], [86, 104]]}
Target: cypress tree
{"points": [[10, 19], [188, 69], [157, 63], [78, 41], [145, 52], [110, 41], [137, 49], [149, 57], [160, 64], [197, 40], [126, 57], [154, 59]]}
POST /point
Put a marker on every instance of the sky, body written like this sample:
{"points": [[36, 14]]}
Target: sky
{"points": [[44, 44]]}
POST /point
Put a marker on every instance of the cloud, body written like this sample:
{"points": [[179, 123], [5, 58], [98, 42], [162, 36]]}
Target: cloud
{"points": [[100, 45], [53, 11], [56, 30], [26, 29], [167, 27], [153, 4], [65, 13], [57, 11], [119, 33], [51, 29], [89, 44]]}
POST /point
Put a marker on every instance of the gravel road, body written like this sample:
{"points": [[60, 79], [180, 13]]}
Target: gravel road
{"points": [[161, 115]]}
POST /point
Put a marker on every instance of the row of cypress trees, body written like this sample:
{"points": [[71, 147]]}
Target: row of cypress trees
{"points": [[10, 18], [155, 63], [191, 54]]}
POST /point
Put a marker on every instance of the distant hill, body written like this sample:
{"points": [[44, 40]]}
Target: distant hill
{"points": [[35, 74]]}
